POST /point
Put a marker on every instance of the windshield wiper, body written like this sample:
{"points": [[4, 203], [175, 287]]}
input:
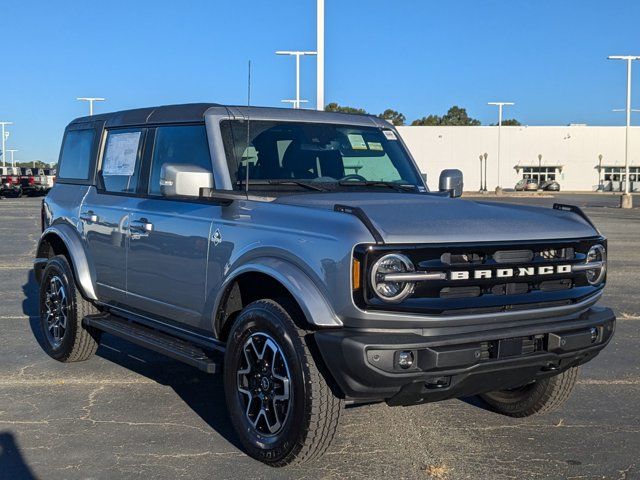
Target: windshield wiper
{"points": [[379, 183], [285, 181]]}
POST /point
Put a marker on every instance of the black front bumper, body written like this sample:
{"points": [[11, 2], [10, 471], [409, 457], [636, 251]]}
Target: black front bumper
{"points": [[364, 364]]}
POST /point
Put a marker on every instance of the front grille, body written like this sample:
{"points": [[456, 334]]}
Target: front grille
{"points": [[488, 277]]}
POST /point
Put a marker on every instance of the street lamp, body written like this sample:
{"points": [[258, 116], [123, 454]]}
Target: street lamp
{"points": [[626, 201], [5, 135], [499, 105], [12, 151], [320, 50], [297, 54], [600, 185], [480, 172], [485, 155], [539, 170], [91, 100]]}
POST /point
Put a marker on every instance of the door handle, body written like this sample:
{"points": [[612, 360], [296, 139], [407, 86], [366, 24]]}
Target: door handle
{"points": [[142, 225], [89, 217]]}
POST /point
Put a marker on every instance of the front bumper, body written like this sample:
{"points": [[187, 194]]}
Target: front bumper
{"points": [[364, 363]]}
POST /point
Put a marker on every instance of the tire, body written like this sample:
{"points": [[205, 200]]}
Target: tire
{"points": [[537, 398], [70, 341], [292, 431]]}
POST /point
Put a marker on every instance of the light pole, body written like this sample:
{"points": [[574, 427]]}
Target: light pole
{"points": [[626, 200], [4, 140], [297, 54], [480, 172], [600, 185], [320, 50], [499, 105], [12, 151], [485, 155], [91, 100], [293, 102], [539, 171]]}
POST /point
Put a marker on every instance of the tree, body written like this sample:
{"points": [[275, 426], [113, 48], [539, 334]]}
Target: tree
{"points": [[430, 121], [393, 116], [334, 107], [509, 122], [458, 116]]}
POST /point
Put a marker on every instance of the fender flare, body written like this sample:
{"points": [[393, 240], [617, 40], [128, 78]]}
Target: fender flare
{"points": [[79, 263], [312, 301]]}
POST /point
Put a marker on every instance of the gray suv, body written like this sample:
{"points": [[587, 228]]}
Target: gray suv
{"points": [[301, 255]]}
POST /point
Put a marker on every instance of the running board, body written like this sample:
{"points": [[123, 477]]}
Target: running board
{"points": [[153, 340]]}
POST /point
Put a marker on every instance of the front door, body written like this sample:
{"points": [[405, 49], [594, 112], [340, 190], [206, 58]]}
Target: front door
{"points": [[169, 242]]}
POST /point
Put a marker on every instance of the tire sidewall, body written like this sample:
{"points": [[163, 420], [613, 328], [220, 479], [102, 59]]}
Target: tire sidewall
{"points": [[58, 266], [276, 323]]}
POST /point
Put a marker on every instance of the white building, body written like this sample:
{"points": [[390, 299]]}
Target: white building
{"points": [[579, 157]]}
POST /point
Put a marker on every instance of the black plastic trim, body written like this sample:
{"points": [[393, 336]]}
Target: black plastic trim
{"points": [[362, 216], [577, 210]]}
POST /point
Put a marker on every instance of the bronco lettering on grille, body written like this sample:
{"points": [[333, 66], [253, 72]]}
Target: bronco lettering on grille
{"points": [[518, 272]]}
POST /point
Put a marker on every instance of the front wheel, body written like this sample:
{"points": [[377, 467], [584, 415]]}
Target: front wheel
{"points": [[540, 397], [279, 403]]}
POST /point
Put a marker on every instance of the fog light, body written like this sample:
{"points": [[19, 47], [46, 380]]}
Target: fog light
{"points": [[405, 359], [594, 334]]}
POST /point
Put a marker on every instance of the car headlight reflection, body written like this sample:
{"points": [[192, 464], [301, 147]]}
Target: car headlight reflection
{"points": [[391, 291]]}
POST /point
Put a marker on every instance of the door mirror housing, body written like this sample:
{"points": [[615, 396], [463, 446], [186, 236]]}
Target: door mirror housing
{"points": [[451, 182], [184, 180]]}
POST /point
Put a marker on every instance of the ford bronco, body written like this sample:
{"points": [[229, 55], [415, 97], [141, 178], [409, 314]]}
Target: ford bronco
{"points": [[301, 254]]}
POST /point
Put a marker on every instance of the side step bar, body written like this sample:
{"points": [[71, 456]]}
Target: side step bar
{"points": [[154, 340]]}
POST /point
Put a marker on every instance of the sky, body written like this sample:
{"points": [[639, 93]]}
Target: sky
{"points": [[416, 56]]}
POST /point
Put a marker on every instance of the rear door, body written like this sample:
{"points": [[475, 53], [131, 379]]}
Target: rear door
{"points": [[105, 210], [168, 250]]}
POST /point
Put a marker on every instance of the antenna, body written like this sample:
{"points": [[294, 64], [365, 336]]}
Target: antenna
{"points": [[246, 183]]}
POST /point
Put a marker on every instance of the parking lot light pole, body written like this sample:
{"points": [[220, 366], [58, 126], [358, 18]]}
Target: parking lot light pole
{"points": [[297, 54], [4, 140], [320, 60], [499, 105], [539, 170], [12, 151], [626, 201], [485, 155], [91, 100]]}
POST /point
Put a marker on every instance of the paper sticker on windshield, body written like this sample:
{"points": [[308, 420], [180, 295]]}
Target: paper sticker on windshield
{"points": [[377, 146], [121, 154], [389, 134], [357, 141]]}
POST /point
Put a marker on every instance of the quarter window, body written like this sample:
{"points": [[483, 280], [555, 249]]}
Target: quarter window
{"points": [[121, 161], [179, 146], [75, 159]]}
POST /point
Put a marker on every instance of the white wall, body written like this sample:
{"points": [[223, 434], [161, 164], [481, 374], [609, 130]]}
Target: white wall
{"points": [[576, 148]]}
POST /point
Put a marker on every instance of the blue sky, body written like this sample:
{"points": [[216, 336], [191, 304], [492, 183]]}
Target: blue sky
{"points": [[416, 56]]}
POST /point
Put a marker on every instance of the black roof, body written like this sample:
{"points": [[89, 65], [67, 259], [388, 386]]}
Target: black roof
{"points": [[195, 112]]}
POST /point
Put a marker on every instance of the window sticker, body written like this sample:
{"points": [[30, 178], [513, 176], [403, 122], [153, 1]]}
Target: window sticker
{"points": [[376, 146], [121, 154], [357, 142], [389, 135]]}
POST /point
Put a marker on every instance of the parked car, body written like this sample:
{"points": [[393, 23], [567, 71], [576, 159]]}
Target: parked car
{"points": [[239, 241], [530, 185], [550, 186], [35, 181], [10, 182]]}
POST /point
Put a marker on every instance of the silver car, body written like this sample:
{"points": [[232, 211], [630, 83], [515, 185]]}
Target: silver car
{"points": [[301, 255]]}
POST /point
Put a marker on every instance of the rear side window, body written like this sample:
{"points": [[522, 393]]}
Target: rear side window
{"points": [[184, 146], [120, 168], [75, 159]]}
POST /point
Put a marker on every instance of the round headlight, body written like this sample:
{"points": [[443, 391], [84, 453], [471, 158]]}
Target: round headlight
{"points": [[598, 255], [391, 291]]}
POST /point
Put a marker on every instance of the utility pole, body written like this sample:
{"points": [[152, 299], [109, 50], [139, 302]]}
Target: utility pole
{"points": [[499, 105], [4, 140], [91, 100], [12, 151], [320, 50], [297, 54], [626, 201]]}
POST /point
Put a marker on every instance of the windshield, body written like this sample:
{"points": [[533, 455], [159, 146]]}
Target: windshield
{"points": [[316, 154]]}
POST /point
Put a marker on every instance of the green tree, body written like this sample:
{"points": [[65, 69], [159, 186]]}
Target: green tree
{"points": [[509, 122], [458, 116], [393, 116], [429, 121], [334, 107]]}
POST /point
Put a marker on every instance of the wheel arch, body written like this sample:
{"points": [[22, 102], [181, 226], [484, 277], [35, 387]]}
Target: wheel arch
{"points": [[63, 240], [270, 278]]}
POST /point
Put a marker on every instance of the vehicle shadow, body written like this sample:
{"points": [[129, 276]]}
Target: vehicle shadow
{"points": [[202, 392], [12, 464]]}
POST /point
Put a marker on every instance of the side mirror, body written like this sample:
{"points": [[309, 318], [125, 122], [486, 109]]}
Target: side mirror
{"points": [[184, 180], [451, 182]]}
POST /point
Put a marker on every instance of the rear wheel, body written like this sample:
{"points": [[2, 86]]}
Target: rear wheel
{"points": [[62, 309], [279, 403], [537, 398]]}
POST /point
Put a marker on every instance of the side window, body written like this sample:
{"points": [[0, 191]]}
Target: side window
{"points": [[75, 159], [180, 151], [121, 160]]}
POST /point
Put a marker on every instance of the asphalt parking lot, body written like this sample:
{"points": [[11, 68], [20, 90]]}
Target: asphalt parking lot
{"points": [[130, 413]]}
